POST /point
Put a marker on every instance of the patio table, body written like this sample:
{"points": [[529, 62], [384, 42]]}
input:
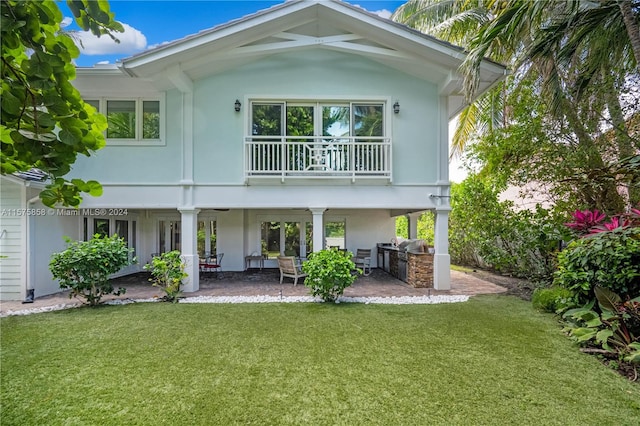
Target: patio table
{"points": [[250, 258]]}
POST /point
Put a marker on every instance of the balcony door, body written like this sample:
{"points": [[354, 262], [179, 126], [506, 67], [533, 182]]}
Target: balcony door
{"points": [[308, 137]]}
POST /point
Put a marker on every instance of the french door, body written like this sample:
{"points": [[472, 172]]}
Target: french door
{"points": [[286, 238]]}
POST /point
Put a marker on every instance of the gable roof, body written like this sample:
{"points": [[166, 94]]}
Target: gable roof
{"points": [[310, 24]]}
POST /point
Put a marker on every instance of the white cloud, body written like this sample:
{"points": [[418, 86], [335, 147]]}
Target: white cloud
{"points": [[164, 43], [384, 13], [131, 41], [66, 21]]}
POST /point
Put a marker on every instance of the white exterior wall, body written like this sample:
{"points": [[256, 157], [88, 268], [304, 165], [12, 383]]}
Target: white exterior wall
{"points": [[46, 236], [12, 240], [28, 240]]}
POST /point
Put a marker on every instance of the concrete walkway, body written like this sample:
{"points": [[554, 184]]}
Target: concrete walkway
{"points": [[267, 283]]}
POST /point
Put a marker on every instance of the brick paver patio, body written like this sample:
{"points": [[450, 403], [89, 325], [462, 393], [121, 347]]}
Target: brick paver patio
{"points": [[267, 283]]}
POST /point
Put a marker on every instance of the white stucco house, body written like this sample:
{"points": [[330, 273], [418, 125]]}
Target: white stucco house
{"points": [[308, 124]]}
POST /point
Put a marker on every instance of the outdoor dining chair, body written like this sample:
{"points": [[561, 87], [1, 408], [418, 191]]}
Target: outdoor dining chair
{"points": [[362, 259], [211, 263]]}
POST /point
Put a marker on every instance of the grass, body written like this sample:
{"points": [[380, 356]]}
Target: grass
{"points": [[492, 360], [460, 268]]}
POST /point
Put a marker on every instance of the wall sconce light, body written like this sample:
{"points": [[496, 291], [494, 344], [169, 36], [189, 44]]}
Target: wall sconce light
{"points": [[396, 107], [237, 105]]}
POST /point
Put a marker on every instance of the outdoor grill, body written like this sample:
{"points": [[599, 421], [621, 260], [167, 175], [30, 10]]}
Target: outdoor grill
{"points": [[412, 245], [393, 258]]}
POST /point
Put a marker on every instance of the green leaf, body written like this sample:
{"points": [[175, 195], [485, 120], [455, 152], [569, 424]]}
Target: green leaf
{"points": [[74, 7], [80, 184], [38, 136], [603, 335], [607, 299], [11, 104], [95, 189], [595, 322], [583, 334], [39, 69], [68, 137], [5, 135], [49, 198]]}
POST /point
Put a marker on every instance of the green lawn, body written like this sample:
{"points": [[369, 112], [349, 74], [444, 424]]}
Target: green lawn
{"points": [[492, 360]]}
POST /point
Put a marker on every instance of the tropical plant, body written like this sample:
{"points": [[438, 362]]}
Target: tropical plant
{"points": [[458, 22], [615, 326], [609, 259], [585, 220], [84, 267], [329, 272], [167, 273], [45, 123]]}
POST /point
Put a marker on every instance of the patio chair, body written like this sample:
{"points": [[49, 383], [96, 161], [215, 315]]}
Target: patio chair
{"points": [[290, 268], [211, 263], [362, 259]]}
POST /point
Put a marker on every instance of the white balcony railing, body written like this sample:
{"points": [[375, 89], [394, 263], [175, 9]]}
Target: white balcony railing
{"points": [[317, 157]]}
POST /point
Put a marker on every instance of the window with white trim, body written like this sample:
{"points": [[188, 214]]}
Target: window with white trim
{"points": [[125, 227], [131, 121]]}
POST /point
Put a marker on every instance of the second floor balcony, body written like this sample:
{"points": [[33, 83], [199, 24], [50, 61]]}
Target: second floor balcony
{"points": [[322, 157]]}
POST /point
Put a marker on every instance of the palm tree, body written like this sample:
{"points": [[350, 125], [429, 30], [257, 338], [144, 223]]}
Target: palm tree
{"points": [[457, 22], [565, 46], [525, 35], [569, 47], [629, 11]]}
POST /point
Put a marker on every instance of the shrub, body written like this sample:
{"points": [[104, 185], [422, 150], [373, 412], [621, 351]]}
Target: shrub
{"points": [[487, 233], [329, 272], [552, 299], [84, 267], [607, 259], [167, 272]]}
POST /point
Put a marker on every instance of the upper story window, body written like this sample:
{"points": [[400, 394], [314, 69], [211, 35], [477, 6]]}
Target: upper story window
{"points": [[336, 120], [131, 121]]}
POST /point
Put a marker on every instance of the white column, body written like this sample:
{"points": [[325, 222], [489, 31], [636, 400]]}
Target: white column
{"points": [[412, 221], [189, 246], [441, 258], [318, 228], [207, 237]]}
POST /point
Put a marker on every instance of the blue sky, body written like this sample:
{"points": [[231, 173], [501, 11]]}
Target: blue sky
{"points": [[153, 22]]}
